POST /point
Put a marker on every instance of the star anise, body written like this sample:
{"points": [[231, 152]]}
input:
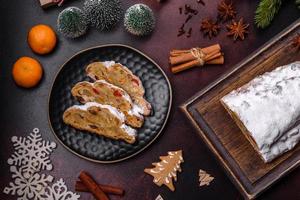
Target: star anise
{"points": [[296, 41], [237, 29], [210, 27], [226, 11]]}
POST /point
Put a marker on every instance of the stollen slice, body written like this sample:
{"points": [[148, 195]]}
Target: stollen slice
{"points": [[103, 120], [121, 76], [105, 93]]}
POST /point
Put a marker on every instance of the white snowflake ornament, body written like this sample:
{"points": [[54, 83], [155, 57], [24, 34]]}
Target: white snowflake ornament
{"points": [[31, 156], [59, 191], [32, 153], [27, 187]]}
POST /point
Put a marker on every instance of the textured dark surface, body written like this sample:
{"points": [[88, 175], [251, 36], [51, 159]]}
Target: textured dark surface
{"points": [[21, 110], [92, 146]]}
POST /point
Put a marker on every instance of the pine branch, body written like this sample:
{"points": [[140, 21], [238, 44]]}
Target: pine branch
{"points": [[297, 2], [266, 11]]}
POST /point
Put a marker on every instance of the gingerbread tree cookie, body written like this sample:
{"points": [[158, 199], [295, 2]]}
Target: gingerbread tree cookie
{"points": [[205, 178], [166, 170]]}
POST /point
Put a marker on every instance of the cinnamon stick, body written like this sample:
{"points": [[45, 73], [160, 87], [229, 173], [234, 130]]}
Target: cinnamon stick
{"points": [[194, 63], [92, 186], [216, 61], [209, 57], [205, 50], [212, 56], [184, 66], [80, 187], [186, 55], [176, 52]]}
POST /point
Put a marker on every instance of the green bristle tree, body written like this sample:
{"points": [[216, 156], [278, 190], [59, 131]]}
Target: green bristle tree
{"points": [[103, 14], [71, 22], [139, 20]]}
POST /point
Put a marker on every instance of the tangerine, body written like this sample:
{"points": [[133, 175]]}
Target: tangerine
{"points": [[42, 39], [27, 72]]}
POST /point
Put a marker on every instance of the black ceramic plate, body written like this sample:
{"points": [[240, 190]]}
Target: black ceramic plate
{"points": [[94, 147]]}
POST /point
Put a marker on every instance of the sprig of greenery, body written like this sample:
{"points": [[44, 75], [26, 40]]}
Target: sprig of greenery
{"points": [[266, 11], [298, 3]]}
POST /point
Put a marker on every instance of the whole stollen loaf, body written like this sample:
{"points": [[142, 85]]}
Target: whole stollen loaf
{"points": [[267, 109]]}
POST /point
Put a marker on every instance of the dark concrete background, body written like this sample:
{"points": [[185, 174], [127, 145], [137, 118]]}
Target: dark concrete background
{"points": [[22, 110]]}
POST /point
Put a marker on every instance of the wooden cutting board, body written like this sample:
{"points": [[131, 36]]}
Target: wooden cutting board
{"points": [[242, 163]]}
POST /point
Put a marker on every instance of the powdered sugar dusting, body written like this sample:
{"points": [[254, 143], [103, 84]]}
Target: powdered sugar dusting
{"points": [[136, 110], [269, 107], [129, 130], [108, 63], [113, 110]]}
